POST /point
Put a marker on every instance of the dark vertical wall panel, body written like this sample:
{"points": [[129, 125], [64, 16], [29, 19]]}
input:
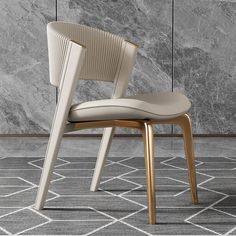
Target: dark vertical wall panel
{"points": [[205, 62], [26, 100], [145, 22]]}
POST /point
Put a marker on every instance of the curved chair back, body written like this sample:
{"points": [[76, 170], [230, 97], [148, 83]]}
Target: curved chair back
{"points": [[104, 52]]}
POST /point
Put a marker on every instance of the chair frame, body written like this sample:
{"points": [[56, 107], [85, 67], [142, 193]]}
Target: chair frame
{"points": [[146, 128], [74, 59]]}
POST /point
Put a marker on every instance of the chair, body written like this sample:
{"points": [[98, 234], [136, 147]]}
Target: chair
{"points": [[81, 52]]}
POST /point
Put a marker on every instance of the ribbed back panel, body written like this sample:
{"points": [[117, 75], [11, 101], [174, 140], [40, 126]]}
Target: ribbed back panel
{"points": [[103, 51]]}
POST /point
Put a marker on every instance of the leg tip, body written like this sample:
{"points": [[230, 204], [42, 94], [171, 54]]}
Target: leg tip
{"points": [[195, 201], [37, 207], [94, 187], [152, 222], [152, 219]]}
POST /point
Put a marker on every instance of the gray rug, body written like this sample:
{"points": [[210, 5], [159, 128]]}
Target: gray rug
{"points": [[119, 207]]}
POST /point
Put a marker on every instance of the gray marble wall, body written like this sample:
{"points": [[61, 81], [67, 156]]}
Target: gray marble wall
{"points": [[26, 100], [205, 62], [203, 56]]}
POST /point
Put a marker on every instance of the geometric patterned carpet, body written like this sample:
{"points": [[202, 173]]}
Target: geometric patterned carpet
{"points": [[119, 207]]}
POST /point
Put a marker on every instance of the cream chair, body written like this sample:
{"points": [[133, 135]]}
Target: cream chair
{"points": [[80, 52]]}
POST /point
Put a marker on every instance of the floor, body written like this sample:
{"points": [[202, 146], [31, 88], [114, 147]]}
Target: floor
{"points": [[119, 207]]}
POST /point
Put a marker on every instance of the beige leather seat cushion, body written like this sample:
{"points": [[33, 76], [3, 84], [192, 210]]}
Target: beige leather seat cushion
{"points": [[145, 106]]}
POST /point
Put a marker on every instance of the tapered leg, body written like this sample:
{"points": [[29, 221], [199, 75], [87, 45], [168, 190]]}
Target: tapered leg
{"points": [[72, 66], [185, 122], [150, 171], [101, 158], [49, 162]]}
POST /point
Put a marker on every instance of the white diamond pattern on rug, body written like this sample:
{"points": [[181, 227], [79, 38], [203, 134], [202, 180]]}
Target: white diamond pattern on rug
{"points": [[21, 220], [214, 220], [119, 207], [13, 185]]}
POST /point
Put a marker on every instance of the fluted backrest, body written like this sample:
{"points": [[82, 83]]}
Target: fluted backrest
{"points": [[103, 51]]}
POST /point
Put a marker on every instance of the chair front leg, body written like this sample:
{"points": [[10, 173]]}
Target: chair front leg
{"points": [[185, 123], [101, 158], [50, 159], [150, 170], [70, 73]]}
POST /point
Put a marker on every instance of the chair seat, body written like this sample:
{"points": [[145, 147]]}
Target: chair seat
{"points": [[162, 105]]}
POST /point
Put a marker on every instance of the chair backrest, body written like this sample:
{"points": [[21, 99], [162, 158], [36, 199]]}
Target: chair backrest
{"points": [[108, 57]]}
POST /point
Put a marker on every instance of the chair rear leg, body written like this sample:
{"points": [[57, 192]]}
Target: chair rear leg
{"points": [[150, 171], [101, 158], [185, 123]]}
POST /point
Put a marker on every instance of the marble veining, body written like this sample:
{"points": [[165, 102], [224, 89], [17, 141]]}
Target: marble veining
{"points": [[204, 62], [26, 100]]}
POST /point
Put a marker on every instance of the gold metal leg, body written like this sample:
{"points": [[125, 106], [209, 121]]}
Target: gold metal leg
{"points": [[185, 123], [150, 170], [146, 126]]}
